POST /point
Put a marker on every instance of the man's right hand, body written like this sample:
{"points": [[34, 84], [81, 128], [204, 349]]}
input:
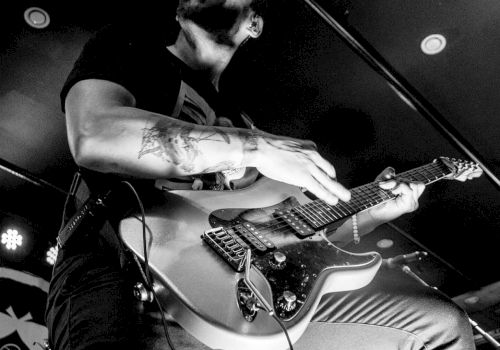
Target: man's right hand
{"points": [[298, 163]]}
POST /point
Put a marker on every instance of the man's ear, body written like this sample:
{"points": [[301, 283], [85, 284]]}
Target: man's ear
{"points": [[256, 26]]}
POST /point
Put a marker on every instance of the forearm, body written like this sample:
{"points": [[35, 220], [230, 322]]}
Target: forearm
{"points": [[135, 142], [108, 133]]}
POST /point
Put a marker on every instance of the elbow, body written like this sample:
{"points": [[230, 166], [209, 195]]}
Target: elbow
{"points": [[85, 154], [85, 135]]}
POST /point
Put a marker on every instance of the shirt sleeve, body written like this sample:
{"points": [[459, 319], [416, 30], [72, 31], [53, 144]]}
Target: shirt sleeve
{"points": [[105, 56]]}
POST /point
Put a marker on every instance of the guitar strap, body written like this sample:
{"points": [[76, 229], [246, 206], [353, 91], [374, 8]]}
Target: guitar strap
{"points": [[95, 214], [91, 213]]}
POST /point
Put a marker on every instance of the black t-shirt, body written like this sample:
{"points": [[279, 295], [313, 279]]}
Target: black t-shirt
{"points": [[137, 58]]}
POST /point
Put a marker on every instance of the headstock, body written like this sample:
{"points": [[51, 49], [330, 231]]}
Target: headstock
{"points": [[461, 170]]}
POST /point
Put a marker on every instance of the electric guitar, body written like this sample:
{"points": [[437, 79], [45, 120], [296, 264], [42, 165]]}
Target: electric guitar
{"points": [[218, 257]]}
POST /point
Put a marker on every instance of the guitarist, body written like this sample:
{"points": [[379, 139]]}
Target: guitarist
{"points": [[140, 106]]}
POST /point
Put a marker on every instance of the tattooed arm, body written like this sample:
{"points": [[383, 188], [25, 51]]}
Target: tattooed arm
{"points": [[108, 133]]}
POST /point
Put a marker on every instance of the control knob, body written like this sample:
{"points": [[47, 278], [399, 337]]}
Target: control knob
{"points": [[288, 300], [278, 260]]}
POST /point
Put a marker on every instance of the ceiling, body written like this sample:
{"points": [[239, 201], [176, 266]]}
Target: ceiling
{"points": [[300, 79]]}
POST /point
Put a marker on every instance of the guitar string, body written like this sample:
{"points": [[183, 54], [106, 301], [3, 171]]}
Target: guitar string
{"points": [[434, 173], [367, 191], [328, 214], [291, 230], [432, 169]]}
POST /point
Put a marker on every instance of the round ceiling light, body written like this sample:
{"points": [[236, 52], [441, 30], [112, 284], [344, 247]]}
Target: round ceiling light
{"points": [[36, 17], [385, 243], [471, 300], [433, 44]]}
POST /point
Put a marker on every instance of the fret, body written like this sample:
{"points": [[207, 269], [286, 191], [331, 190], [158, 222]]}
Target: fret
{"points": [[306, 213], [370, 198], [385, 194], [303, 214], [313, 214], [338, 211], [331, 211], [429, 174], [443, 169], [324, 209], [357, 199], [349, 206], [319, 211], [420, 176], [316, 208], [319, 214], [344, 211]]}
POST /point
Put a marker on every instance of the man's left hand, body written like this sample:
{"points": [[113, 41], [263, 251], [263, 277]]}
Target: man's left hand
{"points": [[408, 193]]}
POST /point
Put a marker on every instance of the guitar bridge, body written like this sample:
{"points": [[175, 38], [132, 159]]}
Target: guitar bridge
{"points": [[228, 245]]}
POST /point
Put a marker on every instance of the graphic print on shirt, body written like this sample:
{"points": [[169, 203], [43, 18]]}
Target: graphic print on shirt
{"points": [[192, 107]]}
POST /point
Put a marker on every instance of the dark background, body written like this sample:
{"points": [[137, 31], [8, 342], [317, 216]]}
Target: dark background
{"points": [[300, 79]]}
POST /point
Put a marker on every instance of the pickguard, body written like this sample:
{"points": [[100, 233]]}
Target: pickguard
{"points": [[294, 264]]}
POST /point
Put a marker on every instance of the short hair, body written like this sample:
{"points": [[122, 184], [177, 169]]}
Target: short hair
{"points": [[260, 7]]}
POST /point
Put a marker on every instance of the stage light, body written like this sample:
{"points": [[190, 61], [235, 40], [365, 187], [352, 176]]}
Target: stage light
{"points": [[471, 300], [36, 17], [385, 243], [12, 239], [433, 44], [52, 255]]}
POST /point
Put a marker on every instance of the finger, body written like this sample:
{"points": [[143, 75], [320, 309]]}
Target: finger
{"points": [[406, 196], [387, 173], [329, 184], [402, 189], [323, 164], [301, 144], [415, 193], [388, 185], [321, 192], [419, 187], [308, 144]]}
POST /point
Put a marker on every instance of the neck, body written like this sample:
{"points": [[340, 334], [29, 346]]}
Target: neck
{"points": [[195, 48], [319, 214]]}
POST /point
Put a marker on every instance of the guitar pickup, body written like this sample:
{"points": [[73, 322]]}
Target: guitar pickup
{"points": [[252, 235], [301, 228]]}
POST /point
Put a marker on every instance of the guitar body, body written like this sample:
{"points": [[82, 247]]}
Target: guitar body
{"points": [[199, 289]]}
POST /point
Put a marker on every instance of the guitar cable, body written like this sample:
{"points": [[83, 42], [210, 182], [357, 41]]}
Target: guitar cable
{"points": [[145, 273], [276, 318], [149, 284]]}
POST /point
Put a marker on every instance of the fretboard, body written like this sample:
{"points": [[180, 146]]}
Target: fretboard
{"points": [[319, 214]]}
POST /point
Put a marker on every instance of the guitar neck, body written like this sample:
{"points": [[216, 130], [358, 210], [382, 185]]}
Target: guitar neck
{"points": [[319, 214]]}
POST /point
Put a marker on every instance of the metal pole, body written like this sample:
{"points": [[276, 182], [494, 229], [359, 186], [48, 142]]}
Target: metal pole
{"points": [[403, 87], [27, 176]]}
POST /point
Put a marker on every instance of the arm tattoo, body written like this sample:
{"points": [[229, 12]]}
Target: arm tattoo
{"points": [[220, 167], [176, 144], [249, 139]]}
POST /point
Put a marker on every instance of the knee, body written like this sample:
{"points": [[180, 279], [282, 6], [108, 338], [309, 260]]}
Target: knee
{"points": [[448, 314], [449, 324]]}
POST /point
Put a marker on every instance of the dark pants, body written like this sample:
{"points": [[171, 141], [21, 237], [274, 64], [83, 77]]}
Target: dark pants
{"points": [[91, 306]]}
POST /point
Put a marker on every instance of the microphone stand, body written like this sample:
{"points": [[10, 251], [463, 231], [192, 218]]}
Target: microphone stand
{"points": [[406, 269]]}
